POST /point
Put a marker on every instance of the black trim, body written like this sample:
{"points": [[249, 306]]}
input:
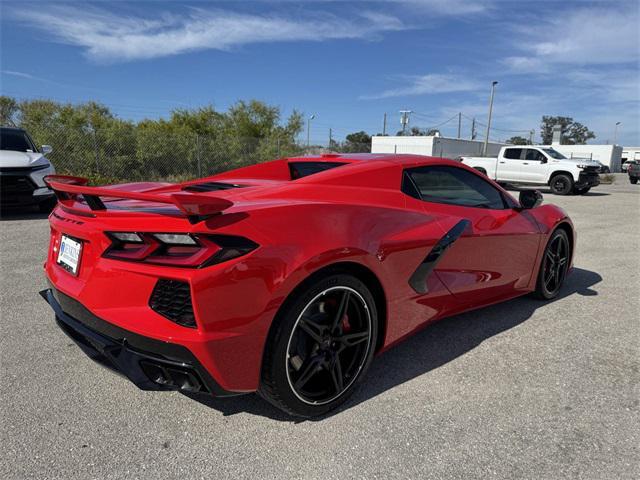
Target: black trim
{"points": [[210, 187], [134, 356], [590, 179], [418, 280]]}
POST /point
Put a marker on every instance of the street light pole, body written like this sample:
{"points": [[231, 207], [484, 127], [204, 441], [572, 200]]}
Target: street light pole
{"points": [[615, 133], [309, 130], [486, 138]]}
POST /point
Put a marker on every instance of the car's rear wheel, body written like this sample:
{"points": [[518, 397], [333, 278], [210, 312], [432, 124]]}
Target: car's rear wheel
{"points": [[320, 346], [554, 265], [561, 184], [633, 180]]}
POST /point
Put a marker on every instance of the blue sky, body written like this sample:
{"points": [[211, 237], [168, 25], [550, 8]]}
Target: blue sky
{"points": [[345, 62]]}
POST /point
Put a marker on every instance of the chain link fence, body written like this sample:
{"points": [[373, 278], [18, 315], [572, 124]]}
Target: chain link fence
{"points": [[152, 156]]}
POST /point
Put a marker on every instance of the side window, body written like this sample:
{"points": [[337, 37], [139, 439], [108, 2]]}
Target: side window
{"points": [[512, 153], [452, 185], [535, 155]]}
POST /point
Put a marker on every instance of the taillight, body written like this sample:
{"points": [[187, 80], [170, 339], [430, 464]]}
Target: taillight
{"points": [[177, 249]]}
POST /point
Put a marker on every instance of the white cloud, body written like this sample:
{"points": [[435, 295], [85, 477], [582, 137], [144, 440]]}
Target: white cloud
{"points": [[432, 83], [449, 7], [588, 36], [28, 76], [106, 36]]}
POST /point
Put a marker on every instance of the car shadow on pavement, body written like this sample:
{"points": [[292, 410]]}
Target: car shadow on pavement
{"points": [[9, 214], [436, 345]]}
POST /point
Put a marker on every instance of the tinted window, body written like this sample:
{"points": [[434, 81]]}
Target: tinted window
{"points": [[554, 153], [536, 155], [304, 169], [15, 140], [456, 186], [513, 153]]}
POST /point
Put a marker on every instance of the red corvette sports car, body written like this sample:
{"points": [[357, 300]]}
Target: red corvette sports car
{"points": [[287, 277]]}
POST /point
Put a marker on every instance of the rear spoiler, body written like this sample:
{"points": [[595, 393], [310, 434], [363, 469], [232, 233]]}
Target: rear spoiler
{"points": [[196, 207]]}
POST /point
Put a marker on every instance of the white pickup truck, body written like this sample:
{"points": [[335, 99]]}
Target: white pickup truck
{"points": [[531, 165]]}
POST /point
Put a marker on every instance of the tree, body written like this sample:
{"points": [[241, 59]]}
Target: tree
{"points": [[573, 133], [518, 140], [8, 110], [357, 142]]}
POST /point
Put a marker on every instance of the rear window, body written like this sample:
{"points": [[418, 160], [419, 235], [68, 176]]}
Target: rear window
{"points": [[304, 169]]}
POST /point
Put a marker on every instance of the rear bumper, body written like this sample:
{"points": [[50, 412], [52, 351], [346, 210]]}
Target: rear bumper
{"points": [[149, 363]]}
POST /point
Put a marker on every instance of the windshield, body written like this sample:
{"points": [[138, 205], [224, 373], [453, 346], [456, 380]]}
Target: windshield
{"points": [[16, 140], [554, 153]]}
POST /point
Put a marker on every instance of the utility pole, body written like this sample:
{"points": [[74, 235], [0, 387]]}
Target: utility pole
{"points": [[330, 138], [384, 125], [309, 129], [473, 128], [486, 138], [404, 119], [459, 122], [531, 132]]}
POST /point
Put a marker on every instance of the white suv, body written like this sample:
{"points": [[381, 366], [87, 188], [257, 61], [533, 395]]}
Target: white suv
{"points": [[22, 169]]}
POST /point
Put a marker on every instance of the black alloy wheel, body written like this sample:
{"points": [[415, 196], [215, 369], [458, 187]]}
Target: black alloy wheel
{"points": [[320, 346], [554, 265], [328, 345], [561, 184]]}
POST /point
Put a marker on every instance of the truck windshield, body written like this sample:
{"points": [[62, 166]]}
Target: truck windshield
{"points": [[16, 140], [554, 153]]}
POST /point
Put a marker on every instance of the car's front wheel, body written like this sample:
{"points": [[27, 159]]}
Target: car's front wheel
{"points": [[320, 346]]}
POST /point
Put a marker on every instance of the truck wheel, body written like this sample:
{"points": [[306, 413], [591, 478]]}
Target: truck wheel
{"points": [[633, 180], [561, 184], [481, 170]]}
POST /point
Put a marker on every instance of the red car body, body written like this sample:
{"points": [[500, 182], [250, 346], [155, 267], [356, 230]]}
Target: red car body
{"points": [[354, 215]]}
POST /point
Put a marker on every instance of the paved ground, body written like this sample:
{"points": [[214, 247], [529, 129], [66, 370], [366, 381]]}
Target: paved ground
{"points": [[521, 390]]}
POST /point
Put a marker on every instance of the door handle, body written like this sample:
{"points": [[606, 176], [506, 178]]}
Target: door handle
{"points": [[525, 163], [502, 162]]}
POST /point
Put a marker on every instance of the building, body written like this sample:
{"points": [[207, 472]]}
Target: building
{"points": [[609, 155], [630, 154], [432, 146]]}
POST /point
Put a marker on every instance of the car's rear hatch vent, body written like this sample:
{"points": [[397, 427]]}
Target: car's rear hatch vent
{"points": [[210, 187], [172, 300]]}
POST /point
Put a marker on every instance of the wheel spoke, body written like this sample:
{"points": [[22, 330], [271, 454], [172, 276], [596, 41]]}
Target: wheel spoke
{"points": [[309, 368], [352, 339], [550, 256], [336, 374], [342, 308], [313, 329]]}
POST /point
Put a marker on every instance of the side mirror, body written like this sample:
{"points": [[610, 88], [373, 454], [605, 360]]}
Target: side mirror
{"points": [[46, 149], [530, 199]]}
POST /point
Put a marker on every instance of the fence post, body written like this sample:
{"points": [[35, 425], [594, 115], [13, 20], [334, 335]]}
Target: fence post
{"points": [[198, 156], [95, 147]]}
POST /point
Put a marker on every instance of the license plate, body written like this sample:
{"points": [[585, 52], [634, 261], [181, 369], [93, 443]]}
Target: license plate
{"points": [[69, 254]]}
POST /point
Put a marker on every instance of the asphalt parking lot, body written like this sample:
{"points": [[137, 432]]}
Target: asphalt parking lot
{"points": [[525, 389]]}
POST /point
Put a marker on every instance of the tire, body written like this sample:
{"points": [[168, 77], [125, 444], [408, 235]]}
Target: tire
{"points": [[633, 180], [581, 191], [561, 184], [481, 170], [555, 263], [304, 356]]}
